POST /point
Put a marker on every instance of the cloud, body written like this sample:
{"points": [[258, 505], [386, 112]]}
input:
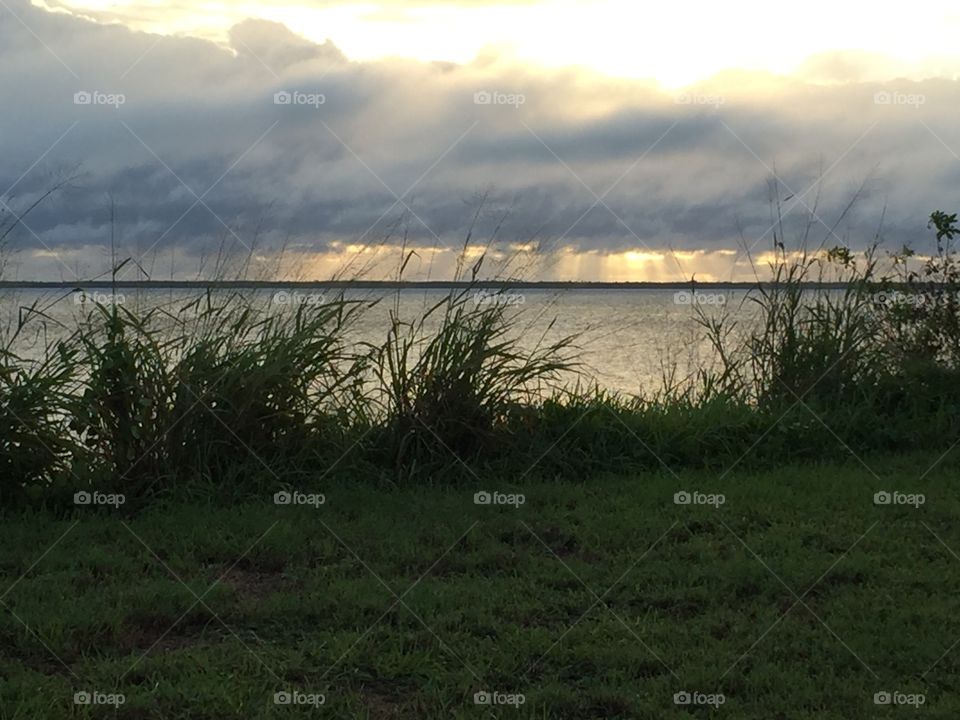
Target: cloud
{"points": [[203, 150], [845, 67], [277, 47]]}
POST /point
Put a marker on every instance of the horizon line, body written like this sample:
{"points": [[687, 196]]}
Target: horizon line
{"points": [[410, 284]]}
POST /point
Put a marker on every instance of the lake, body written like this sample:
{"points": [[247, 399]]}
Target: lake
{"points": [[628, 339]]}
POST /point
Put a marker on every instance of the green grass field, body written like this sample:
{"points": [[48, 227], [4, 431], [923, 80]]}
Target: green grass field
{"points": [[798, 597]]}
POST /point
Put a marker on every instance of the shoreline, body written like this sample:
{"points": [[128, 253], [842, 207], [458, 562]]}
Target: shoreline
{"points": [[393, 285]]}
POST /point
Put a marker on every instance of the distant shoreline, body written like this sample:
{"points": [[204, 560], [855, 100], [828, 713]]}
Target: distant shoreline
{"points": [[390, 285]]}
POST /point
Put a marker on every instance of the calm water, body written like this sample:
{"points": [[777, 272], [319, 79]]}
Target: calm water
{"points": [[628, 338]]}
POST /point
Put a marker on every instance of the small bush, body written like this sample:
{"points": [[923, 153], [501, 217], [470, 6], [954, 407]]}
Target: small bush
{"points": [[450, 394], [36, 448], [229, 384]]}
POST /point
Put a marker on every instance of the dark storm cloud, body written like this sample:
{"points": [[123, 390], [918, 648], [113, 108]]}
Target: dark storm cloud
{"points": [[199, 151]]}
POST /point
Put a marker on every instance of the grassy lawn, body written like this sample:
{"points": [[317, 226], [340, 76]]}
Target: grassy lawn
{"points": [[798, 597]]}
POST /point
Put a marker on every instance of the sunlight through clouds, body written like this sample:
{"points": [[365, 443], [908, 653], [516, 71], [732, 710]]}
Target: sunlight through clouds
{"points": [[319, 127], [674, 43]]}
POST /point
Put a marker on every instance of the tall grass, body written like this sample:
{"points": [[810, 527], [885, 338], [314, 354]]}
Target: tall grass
{"points": [[172, 397], [818, 345], [228, 388], [451, 394], [36, 450], [451, 381], [231, 393], [872, 365]]}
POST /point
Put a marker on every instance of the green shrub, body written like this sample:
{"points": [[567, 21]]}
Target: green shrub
{"points": [[227, 383], [449, 394], [36, 447]]}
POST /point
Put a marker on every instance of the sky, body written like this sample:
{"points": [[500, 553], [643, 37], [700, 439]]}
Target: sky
{"points": [[604, 140]]}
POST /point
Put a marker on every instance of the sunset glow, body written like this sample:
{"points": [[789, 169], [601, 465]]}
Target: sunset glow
{"points": [[606, 140], [674, 43]]}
